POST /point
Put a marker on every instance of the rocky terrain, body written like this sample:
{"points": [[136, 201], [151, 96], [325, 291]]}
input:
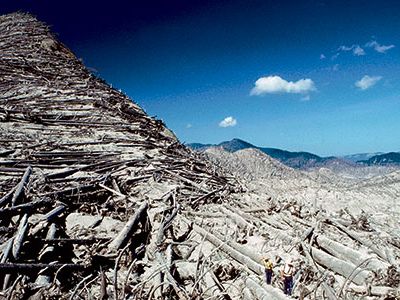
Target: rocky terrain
{"points": [[100, 201]]}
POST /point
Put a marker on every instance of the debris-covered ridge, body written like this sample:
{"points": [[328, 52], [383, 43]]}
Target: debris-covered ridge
{"points": [[84, 173]]}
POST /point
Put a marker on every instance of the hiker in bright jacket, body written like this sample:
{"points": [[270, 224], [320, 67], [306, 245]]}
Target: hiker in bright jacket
{"points": [[268, 269]]}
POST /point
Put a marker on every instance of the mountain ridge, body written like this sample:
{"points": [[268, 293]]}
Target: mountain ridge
{"points": [[308, 160]]}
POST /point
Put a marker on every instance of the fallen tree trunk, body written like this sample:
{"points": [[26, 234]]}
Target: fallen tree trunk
{"points": [[328, 290], [378, 291], [341, 267], [355, 236], [126, 232], [20, 190], [44, 279], [25, 268], [235, 254], [264, 293], [347, 254]]}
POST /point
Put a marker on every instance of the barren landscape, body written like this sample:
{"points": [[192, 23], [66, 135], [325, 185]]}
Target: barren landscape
{"points": [[101, 201]]}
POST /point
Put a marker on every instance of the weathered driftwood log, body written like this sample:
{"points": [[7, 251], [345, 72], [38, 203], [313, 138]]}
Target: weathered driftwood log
{"points": [[20, 190], [341, 267], [347, 254], [264, 292], [121, 239]]}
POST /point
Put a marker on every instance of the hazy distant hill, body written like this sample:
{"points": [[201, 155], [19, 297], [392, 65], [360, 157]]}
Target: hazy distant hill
{"points": [[360, 156], [391, 158], [298, 160]]}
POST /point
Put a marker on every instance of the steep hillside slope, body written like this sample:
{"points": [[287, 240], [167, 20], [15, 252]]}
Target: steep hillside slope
{"points": [[78, 161]]}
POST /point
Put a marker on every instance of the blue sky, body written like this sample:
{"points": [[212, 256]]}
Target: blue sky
{"points": [[318, 76]]}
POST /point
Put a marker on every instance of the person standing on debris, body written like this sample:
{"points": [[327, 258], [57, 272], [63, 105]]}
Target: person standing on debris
{"points": [[287, 272], [268, 269]]}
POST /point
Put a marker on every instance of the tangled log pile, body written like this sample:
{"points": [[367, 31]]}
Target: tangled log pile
{"points": [[84, 171], [100, 201]]}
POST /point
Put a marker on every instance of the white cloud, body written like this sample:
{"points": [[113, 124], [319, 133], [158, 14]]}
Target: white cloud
{"points": [[345, 48], [276, 84], [367, 81], [322, 56], [378, 47], [356, 49], [228, 122]]}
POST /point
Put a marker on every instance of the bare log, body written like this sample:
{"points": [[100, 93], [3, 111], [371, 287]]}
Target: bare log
{"points": [[20, 190], [235, 254], [19, 237], [347, 254], [341, 267], [328, 290], [264, 292], [121, 239], [355, 236], [25, 268], [7, 197], [44, 279]]}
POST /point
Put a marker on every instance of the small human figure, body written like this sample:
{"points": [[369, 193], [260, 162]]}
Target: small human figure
{"points": [[268, 269], [287, 272]]}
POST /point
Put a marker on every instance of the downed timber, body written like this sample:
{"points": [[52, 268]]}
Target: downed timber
{"points": [[179, 292], [328, 290], [269, 222], [247, 294], [356, 237], [271, 227], [345, 253], [7, 197], [26, 268], [234, 253], [341, 267], [21, 208], [121, 239], [44, 279], [264, 293], [245, 250], [7, 250], [20, 190], [197, 201], [237, 219], [19, 237], [379, 291], [192, 183]]}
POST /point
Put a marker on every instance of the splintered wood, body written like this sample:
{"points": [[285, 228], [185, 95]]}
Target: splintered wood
{"points": [[100, 201]]}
